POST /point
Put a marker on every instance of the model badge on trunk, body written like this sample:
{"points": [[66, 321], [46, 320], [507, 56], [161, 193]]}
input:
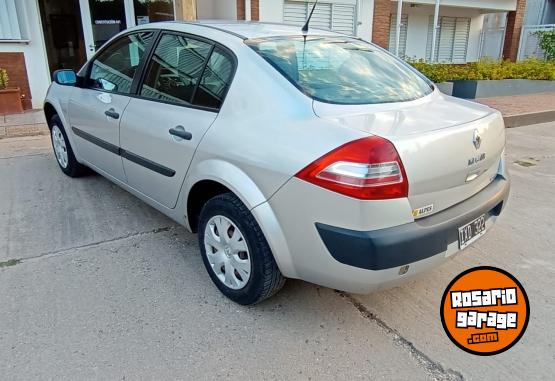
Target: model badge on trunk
{"points": [[477, 159]]}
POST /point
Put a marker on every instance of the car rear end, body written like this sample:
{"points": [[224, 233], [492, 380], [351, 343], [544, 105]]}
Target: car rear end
{"points": [[427, 179]]}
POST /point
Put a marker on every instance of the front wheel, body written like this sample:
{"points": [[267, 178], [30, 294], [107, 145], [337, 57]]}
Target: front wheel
{"points": [[236, 253], [62, 149]]}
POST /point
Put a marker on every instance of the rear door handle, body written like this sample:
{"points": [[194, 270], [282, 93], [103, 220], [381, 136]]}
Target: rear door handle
{"points": [[180, 133], [111, 113]]}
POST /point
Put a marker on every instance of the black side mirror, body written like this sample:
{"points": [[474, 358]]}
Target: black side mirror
{"points": [[65, 77]]}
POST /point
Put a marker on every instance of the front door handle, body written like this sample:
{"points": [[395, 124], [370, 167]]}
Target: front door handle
{"points": [[111, 113], [180, 133]]}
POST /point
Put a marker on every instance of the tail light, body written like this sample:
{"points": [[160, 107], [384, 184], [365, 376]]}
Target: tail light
{"points": [[366, 169]]}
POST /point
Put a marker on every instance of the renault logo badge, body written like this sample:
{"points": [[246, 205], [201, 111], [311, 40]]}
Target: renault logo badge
{"points": [[477, 139]]}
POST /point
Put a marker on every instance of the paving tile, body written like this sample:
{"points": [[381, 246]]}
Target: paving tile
{"points": [[29, 117], [26, 130], [521, 104]]}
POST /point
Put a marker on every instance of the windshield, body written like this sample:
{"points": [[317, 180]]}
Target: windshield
{"points": [[342, 70]]}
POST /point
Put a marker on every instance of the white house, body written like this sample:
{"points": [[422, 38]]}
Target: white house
{"points": [[40, 36], [458, 33]]}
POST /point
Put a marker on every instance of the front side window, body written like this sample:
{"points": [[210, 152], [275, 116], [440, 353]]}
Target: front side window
{"points": [[342, 70], [115, 67], [175, 69]]}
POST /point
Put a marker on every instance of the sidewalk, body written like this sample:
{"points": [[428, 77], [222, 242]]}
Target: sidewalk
{"points": [[523, 110], [518, 111], [30, 123]]}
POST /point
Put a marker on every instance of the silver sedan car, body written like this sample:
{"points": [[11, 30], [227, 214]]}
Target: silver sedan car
{"points": [[307, 155]]}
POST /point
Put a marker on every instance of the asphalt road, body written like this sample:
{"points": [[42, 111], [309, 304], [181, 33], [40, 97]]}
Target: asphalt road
{"points": [[104, 287]]}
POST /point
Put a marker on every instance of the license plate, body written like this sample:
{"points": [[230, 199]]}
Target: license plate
{"points": [[472, 231]]}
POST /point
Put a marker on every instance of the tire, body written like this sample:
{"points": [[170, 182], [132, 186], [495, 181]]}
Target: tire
{"points": [[67, 162], [264, 279]]}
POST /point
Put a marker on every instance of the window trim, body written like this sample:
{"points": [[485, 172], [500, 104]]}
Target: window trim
{"points": [[87, 69], [140, 76], [214, 44]]}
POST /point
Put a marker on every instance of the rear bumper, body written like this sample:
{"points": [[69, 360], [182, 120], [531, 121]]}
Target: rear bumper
{"points": [[376, 238], [401, 245]]}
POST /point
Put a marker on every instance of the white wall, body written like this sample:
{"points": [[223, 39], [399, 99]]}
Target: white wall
{"points": [[217, 9], [417, 29], [35, 54], [492, 5], [365, 17], [272, 11]]}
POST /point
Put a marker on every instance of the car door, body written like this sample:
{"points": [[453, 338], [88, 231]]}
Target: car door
{"points": [[96, 107], [184, 86]]}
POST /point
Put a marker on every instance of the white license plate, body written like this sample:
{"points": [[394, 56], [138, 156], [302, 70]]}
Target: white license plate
{"points": [[472, 231]]}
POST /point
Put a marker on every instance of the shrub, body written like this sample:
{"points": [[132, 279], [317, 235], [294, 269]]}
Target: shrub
{"points": [[4, 79], [487, 69], [547, 42]]}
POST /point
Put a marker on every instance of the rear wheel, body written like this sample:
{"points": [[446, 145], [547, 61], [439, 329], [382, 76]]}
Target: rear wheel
{"points": [[236, 253], [62, 149]]}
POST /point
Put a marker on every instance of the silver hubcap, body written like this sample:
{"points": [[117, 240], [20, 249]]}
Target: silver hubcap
{"points": [[227, 252], [59, 144]]}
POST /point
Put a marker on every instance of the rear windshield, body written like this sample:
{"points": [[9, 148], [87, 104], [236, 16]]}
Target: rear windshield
{"points": [[342, 70]]}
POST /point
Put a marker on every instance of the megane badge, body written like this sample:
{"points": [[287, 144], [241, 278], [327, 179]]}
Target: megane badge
{"points": [[477, 139]]}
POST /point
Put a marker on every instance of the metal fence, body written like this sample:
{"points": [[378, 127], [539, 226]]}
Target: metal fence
{"points": [[529, 42]]}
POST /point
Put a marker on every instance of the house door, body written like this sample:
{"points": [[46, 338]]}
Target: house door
{"points": [[63, 34], [103, 19]]}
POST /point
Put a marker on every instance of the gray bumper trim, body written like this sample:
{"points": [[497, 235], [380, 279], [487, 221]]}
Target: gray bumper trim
{"points": [[405, 244]]}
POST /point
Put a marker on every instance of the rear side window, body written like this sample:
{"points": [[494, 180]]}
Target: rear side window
{"points": [[175, 69], [215, 80], [115, 67], [342, 70]]}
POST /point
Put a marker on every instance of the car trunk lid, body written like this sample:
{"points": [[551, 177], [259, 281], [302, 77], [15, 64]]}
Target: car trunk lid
{"points": [[450, 148]]}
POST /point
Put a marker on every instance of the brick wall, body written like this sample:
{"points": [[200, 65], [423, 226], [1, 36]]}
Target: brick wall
{"points": [[240, 9], [255, 10], [14, 63], [380, 24], [514, 28]]}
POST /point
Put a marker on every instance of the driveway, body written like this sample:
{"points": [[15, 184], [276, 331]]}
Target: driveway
{"points": [[94, 284]]}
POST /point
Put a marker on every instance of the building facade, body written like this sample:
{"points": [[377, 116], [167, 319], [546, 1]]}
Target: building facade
{"points": [[40, 36]]}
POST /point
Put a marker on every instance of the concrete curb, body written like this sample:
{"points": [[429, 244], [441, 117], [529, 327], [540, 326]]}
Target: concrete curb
{"points": [[521, 120]]}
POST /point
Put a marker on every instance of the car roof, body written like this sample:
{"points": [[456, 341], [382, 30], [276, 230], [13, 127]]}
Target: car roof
{"points": [[250, 29]]}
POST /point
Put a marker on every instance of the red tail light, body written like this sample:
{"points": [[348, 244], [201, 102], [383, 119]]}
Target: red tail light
{"points": [[366, 169]]}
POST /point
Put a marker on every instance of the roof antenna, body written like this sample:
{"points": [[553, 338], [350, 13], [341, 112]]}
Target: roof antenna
{"points": [[305, 27]]}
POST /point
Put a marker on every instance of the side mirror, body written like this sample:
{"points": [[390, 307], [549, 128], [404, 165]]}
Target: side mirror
{"points": [[65, 77]]}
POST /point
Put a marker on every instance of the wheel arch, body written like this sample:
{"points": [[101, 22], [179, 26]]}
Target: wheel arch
{"points": [[49, 111], [52, 107], [213, 176]]}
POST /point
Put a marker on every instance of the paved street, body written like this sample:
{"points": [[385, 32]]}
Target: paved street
{"points": [[94, 284]]}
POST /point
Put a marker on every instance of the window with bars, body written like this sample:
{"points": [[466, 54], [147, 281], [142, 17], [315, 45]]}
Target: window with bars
{"points": [[403, 34], [338, 17], [12, 21], [451, 39]]}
